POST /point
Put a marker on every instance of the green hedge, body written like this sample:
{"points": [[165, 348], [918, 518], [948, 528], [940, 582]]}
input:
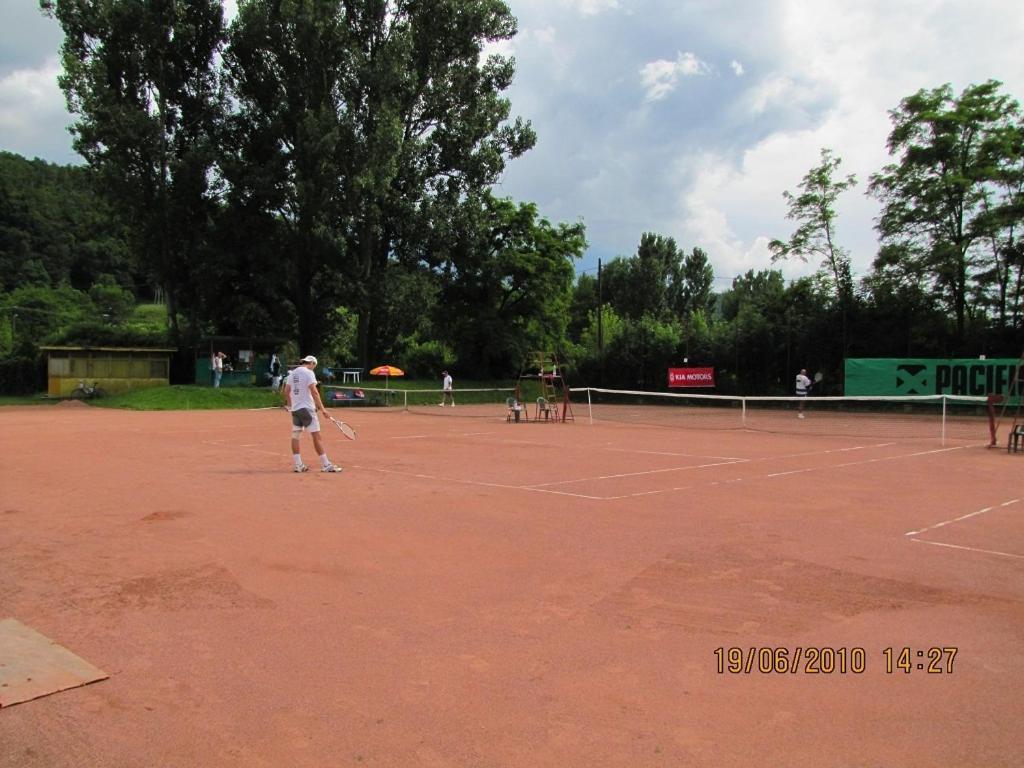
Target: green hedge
{"points": [[98, 334]]}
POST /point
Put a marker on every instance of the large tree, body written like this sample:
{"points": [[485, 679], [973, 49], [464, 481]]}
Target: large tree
{"points": [[691, 291], [814, 208], [506, 283], [141, 77], [649, 283], [934, 196], [356, 117], [1001, 221]]}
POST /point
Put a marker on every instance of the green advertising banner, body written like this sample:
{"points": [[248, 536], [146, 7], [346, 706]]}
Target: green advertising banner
{"points": [[919, 376]]}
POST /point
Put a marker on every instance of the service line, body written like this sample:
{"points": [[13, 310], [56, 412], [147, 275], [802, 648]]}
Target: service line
{"points": [[460, 481], [962, 517], [636, 474]]}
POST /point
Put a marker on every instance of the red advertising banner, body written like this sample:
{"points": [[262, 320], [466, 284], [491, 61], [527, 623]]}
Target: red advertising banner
{"points": [[691, 377]]}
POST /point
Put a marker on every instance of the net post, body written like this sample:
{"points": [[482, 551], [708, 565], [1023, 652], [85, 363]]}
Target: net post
{"points": [[405, 400], [590, 407], [944, 400], [743, 412]]}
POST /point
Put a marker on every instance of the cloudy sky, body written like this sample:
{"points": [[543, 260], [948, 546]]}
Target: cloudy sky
{"points": [[687, 118]]}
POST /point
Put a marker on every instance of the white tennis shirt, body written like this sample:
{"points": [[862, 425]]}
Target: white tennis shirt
{"points": [[300, 381]]}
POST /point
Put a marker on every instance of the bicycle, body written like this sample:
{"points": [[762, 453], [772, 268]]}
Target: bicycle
{"points": [[87, 392]]}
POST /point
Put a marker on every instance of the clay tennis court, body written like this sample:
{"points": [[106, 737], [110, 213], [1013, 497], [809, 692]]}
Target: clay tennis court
{"points": [[471, 592]]}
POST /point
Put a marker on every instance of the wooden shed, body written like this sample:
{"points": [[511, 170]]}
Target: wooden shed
{"points": [[113, 369]]}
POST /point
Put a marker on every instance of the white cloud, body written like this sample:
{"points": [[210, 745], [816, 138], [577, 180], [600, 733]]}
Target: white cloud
{"points": [[712, 210], [592, 7], [661, 77], [774, 90], [545, 35], [737, 68], [504, 48], [33, 112], [839, 70]]}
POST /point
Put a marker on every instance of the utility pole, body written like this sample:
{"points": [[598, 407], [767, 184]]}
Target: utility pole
{"points": [[600, 334]]}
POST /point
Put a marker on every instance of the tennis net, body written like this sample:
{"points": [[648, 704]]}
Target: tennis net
{"points": [[468, 402], [928, 416]]}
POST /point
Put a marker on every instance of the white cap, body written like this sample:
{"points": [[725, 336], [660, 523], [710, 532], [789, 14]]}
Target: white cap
{"points": [[309, 359]]}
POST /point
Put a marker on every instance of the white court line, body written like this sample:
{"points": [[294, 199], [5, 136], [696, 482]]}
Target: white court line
{"points": [[772, 475], [673, 453], [791, 472], [823, 453], [678, 488], [867, 461], [969, 549], [962, 517], [636, 474], [409, 437], [545, 487], [460, 481]]}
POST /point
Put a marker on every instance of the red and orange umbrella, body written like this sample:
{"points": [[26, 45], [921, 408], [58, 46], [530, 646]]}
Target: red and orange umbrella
{"points": [[387, 371]]}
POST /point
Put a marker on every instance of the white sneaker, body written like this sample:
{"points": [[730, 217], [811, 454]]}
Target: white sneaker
{"points": [[301, 468], [440, 405], [799, 415], [331, 468]]}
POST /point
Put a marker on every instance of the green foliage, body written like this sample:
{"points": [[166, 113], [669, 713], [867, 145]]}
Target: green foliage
{"points": [[141, 78], [427, 359], [691, 291], [37, 312], [54, 229], [640, 355], [340, 346], [506, 283], [937, 196], [612, 326], [112, 301], [814, 208], [583, 303], [186, 397], [361, 124], [152, 317], [641, 285], [101, 333], [659, 281]]}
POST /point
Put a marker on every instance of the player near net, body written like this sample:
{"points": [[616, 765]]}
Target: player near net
{"points": [[803, 388], [302, 399]]}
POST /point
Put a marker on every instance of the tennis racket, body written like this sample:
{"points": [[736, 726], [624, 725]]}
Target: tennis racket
{"points": [[346, 430], [818, 377]]}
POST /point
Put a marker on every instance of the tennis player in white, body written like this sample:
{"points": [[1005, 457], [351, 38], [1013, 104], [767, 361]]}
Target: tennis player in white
{"points": [[302, 399], [803, 386]]}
